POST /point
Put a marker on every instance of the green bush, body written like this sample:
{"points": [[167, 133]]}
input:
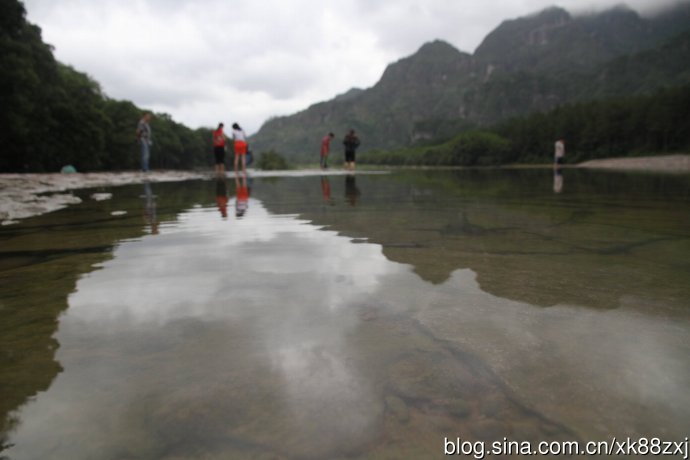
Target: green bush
{"points": [[271, 161]]}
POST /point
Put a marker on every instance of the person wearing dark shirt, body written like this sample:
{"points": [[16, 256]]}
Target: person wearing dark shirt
{"points": [[351, 142]]}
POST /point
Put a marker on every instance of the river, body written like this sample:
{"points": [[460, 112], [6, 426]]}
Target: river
{"points": [[363, 316]]}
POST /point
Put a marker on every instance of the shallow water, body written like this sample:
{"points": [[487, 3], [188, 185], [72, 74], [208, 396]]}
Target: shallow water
{"points": [[365, 316]]}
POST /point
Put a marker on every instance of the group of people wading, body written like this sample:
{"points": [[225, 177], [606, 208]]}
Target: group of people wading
{"points": [[240, 146], [239, 138], [351, 142]]}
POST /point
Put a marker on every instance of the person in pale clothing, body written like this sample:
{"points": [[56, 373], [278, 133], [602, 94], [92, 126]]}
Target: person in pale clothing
{"points": [[559, 152], [144, 140], [240, 141]]}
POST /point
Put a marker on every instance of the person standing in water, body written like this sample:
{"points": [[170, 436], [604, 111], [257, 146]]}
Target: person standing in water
{"points": [[559, 153], [240, 146], [219, 150], [144, 140], [351, 142], [325, 149]]}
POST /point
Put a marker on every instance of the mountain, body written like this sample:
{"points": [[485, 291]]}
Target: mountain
{"points": [[529, 64]]}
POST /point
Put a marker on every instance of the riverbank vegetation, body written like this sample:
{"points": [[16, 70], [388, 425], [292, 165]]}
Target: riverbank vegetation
{"points": [[617, 127], [53, 115]]}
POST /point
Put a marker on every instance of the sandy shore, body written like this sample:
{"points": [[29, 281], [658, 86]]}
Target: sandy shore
{"points": [[661, 163]]}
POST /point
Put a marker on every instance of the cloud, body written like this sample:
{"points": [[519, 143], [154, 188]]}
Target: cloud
{"points": [[204, 61]]}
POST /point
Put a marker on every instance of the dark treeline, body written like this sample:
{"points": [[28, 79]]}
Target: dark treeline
{"points": [[618, 127], [53, 115]]}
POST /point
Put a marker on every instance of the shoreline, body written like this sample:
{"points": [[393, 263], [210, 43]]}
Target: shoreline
{"points": [[24, 195], [676, 163]]}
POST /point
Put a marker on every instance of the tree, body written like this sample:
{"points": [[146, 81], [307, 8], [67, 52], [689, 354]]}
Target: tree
{"points": [[271, 161]]}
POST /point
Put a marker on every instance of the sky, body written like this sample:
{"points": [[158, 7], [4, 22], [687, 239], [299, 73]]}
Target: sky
{"points": [[210, 61]]}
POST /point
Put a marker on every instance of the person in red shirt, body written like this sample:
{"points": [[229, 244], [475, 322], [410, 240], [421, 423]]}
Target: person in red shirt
{"points": [[325, 148], [219, 150]]}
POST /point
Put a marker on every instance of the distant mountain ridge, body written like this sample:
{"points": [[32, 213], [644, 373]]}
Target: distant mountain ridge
{"points": [[529, 64]]}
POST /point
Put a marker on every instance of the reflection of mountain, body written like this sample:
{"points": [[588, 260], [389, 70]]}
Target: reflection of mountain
{"points": [[585, 247], [38, 273]]}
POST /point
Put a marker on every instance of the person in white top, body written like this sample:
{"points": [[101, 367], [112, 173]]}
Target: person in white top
{"points": [[240, 146]]}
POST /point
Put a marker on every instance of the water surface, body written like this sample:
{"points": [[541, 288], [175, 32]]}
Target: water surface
{"points": [[365, 316]]}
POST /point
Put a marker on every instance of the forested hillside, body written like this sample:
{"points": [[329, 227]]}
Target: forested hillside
{"points": [[622, 126], [527, 65], [53, 115]]}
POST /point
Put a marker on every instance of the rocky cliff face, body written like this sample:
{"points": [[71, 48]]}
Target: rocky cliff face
{"points": [[527, 64]]}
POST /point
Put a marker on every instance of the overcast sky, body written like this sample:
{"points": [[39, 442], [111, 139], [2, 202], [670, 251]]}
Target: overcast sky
{"points": [[205, 61]]}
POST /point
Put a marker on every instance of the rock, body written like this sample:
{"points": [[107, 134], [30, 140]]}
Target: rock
{"points": [[398, 408]]}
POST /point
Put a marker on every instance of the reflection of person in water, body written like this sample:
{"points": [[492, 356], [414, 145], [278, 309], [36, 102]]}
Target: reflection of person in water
{"points": [[352, 193], [150, 208], [557, 180], [242, 199], [326, 190], [222, 196]]}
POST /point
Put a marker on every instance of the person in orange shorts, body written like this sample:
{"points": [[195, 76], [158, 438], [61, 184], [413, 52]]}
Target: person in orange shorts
{"points": [[240, 146]]}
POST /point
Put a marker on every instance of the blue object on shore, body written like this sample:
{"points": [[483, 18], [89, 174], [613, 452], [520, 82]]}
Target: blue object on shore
{"points": [[69, 169]]}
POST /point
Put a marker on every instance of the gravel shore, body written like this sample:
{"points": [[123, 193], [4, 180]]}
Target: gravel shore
{"points": [[26, 195]]}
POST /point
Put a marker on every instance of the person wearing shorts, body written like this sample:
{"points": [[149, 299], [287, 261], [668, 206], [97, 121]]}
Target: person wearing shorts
{"points": [[351, 142], [219, 150], [240, 142]]}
